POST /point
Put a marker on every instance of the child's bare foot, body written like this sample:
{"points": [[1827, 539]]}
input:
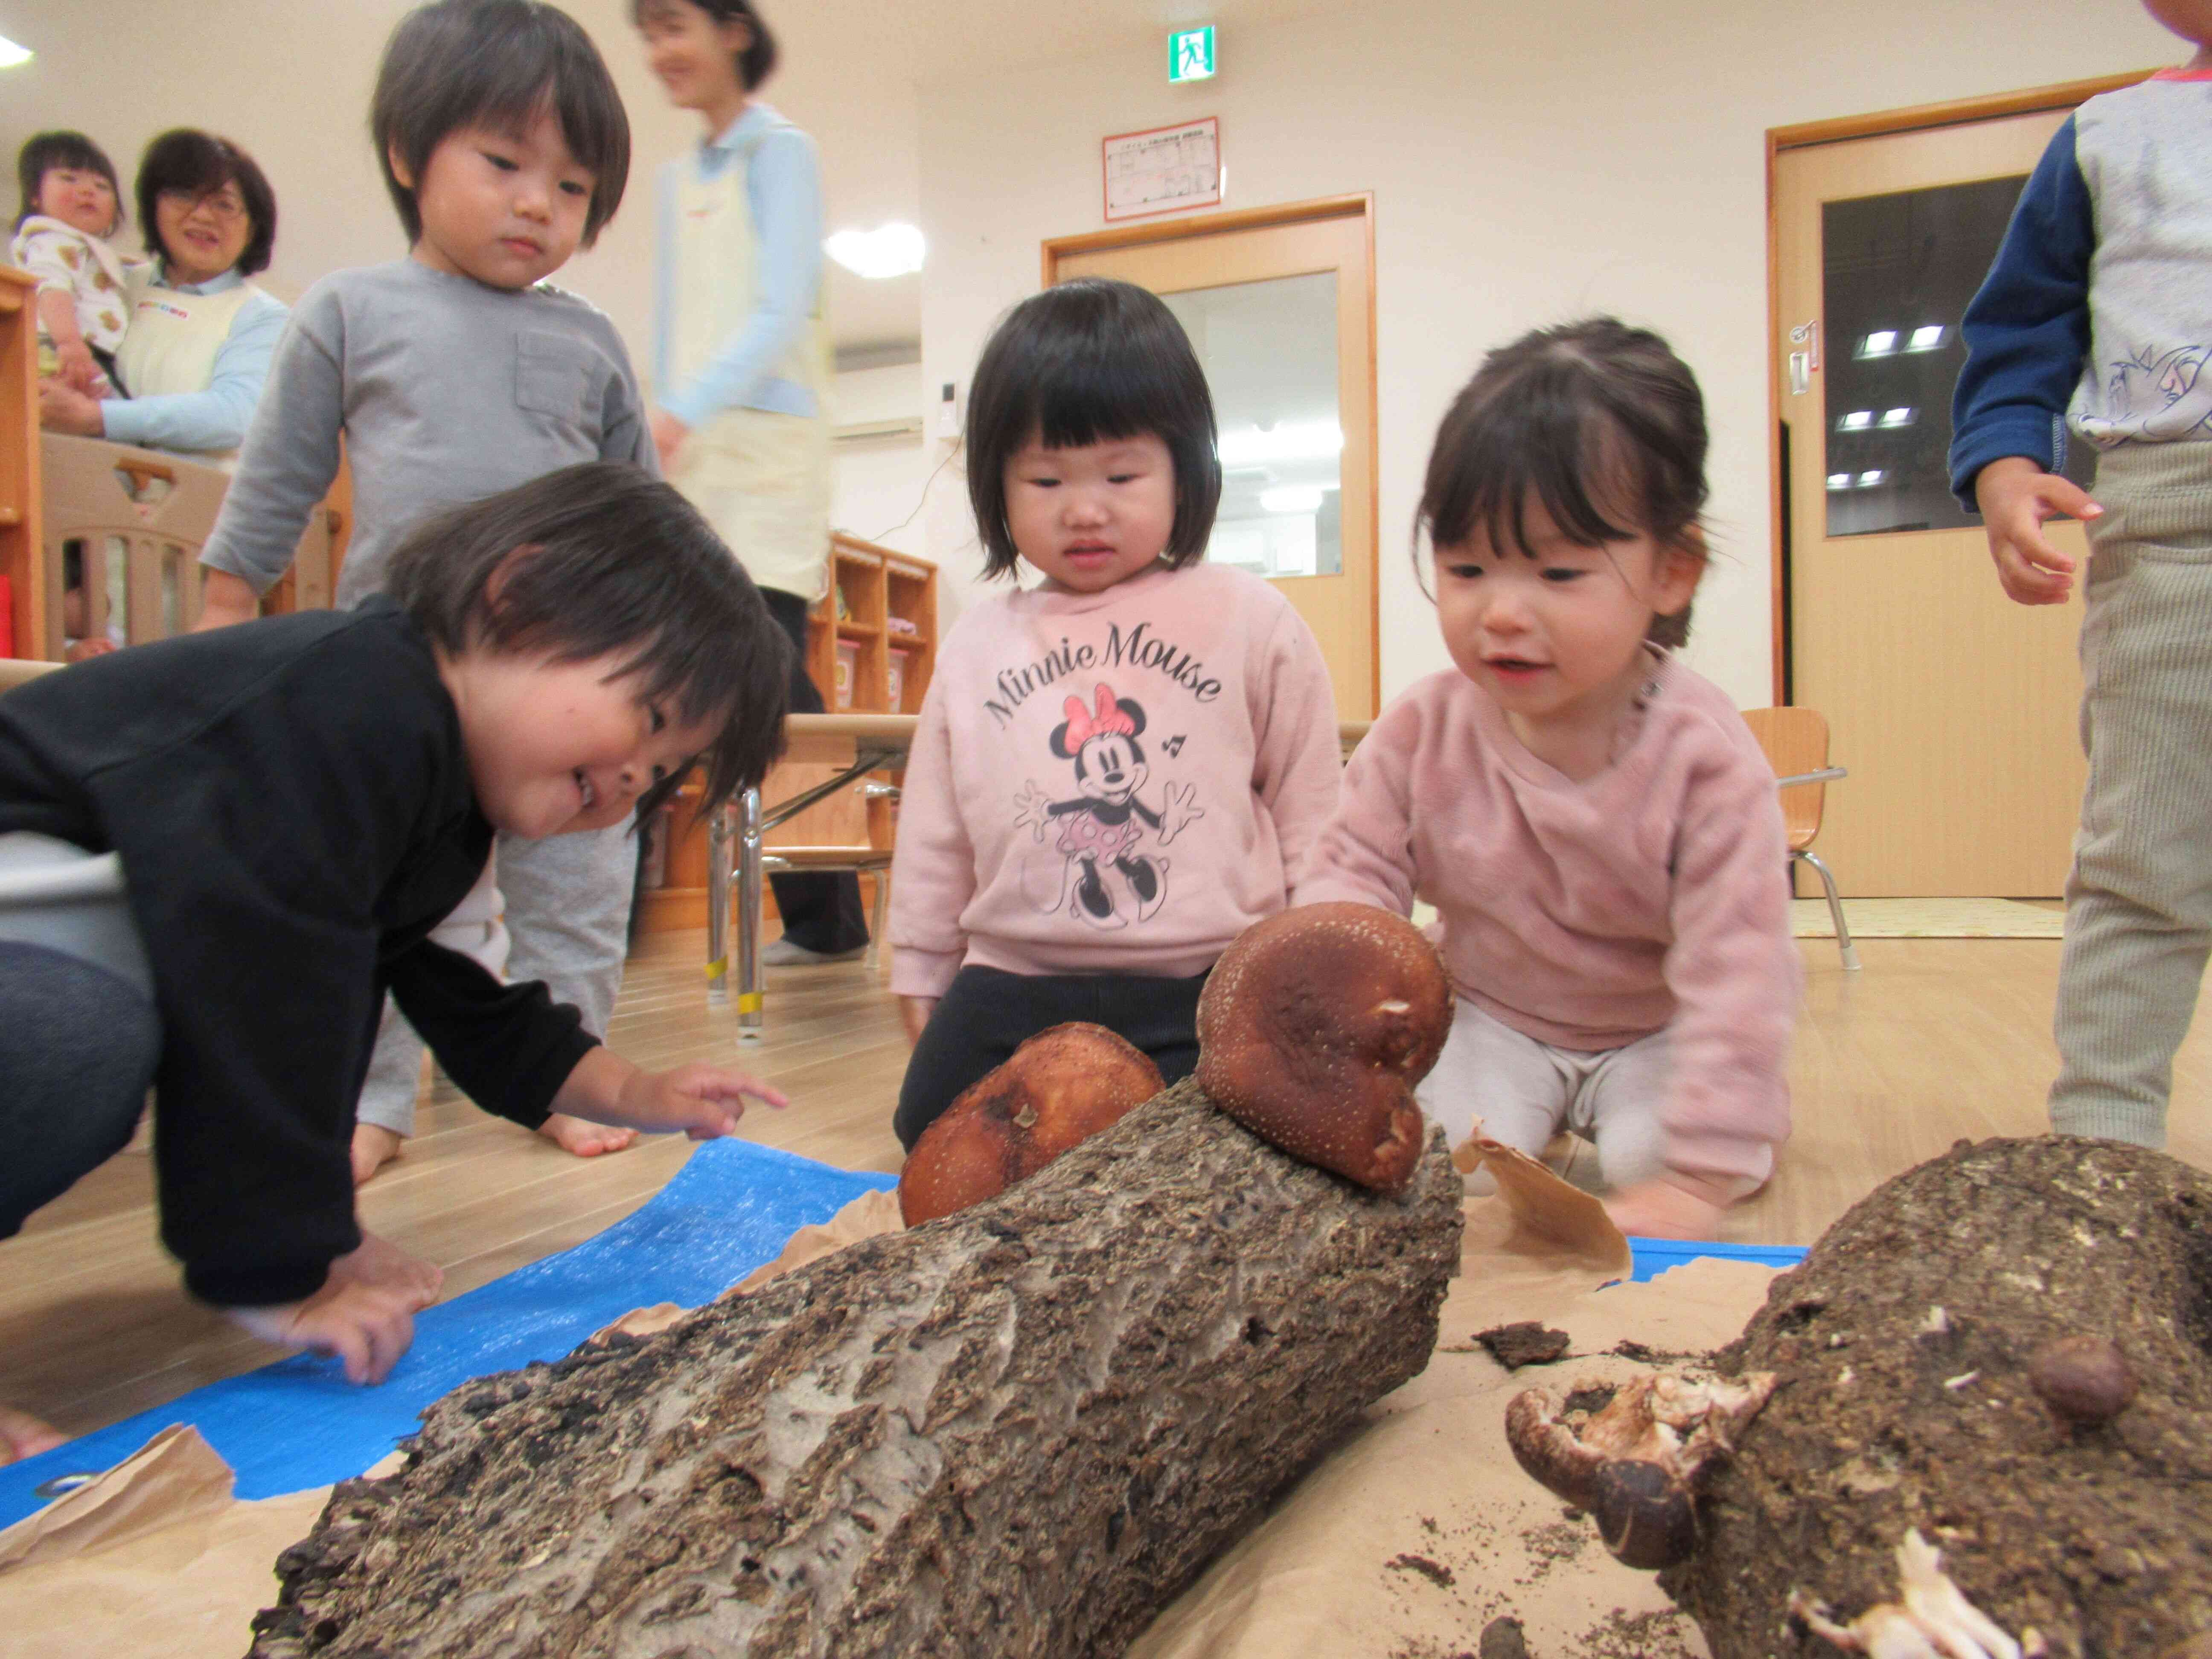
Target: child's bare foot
{"points": [[22, 1434], [583, 1136], [374, 1146]]}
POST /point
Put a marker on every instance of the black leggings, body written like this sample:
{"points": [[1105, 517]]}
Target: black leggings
{"points": [[821, 913], [78, 1045], [988, 1013]]}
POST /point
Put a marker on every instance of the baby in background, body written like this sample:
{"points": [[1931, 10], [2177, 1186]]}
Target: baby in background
{"points": [[71, 205], [1596, 825]]}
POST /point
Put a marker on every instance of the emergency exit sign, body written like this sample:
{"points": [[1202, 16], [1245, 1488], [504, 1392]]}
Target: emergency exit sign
{"points": [[1190, 55]]}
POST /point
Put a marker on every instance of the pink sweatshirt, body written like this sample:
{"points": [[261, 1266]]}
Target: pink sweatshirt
{"points": [[1117, 782], [1588, 915]]}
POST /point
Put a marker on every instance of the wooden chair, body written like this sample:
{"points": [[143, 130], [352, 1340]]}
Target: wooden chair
{"points": [[134, 521], [874, 859], [1795, 742]]}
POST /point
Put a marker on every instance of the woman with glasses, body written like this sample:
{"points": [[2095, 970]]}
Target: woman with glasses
{"points": [[198, 347]]}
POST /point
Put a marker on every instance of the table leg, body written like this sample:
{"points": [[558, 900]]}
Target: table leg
{"points": [[751, 1022], [720, 872]]}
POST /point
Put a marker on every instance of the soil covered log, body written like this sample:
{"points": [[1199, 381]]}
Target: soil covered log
{"points": [[2008, 1350], [1020, 1430]]}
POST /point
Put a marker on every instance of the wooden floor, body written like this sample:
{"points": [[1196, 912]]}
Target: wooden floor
{"points": [[1937, 1039]]}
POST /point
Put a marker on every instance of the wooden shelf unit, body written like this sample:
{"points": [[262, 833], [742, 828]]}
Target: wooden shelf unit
{"points": [[20, 561], [879, 587]]}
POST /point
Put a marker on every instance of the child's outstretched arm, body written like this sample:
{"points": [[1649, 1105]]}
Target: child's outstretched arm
{"points": [[704, 1102], [1298, 766], [1365, 853], [291, 456], [1734, 972], [2026, 333], [932, 873]]}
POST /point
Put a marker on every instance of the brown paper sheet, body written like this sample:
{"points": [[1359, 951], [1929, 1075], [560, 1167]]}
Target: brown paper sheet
{"points": [[153, 1557], [1400, 1544]]}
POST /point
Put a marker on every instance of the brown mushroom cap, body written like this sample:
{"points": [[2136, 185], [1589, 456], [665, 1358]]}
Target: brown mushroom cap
{"points": [[1057, 1089], [1313, 1030], [2085, 1380]]}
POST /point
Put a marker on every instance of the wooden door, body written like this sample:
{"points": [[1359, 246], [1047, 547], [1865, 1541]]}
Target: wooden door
{"points": [[1953, 708], [1281, 305]]}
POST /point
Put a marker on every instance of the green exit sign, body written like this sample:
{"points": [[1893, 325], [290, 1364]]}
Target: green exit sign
{"points": [[1190, 55]]}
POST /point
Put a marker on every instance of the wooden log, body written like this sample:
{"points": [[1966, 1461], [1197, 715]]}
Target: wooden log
{"points": [[1915, 1392], [1018, 1430]]}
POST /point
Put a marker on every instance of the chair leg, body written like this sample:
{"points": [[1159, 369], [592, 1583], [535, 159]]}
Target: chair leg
{"points": [[1850, 952], [879, 920]]}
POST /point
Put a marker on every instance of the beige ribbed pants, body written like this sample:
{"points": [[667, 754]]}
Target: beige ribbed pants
{"points": [[2139, 900]]}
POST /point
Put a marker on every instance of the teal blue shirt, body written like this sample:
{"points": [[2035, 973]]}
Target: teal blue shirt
{"points": [[783, 189]]}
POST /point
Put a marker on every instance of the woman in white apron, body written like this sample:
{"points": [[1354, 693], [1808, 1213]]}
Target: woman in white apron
{"points": [[198, 347], [741, 361]]}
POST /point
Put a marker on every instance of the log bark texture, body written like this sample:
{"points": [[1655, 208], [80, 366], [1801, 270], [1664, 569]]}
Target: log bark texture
{"points": [[1888, 1417], [1019, 1431]]}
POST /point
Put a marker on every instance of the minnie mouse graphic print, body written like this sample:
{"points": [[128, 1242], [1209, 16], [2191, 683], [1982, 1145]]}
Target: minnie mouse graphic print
{"points": [[1111, 782]]}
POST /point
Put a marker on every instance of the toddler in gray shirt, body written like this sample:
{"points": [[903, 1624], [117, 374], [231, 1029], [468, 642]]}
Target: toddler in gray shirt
{"points": [[451, 375]]}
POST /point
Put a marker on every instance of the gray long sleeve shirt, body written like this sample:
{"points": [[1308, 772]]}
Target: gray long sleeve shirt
{"points": [[445, 391]]}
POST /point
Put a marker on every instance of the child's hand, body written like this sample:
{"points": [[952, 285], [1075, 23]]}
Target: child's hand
{"points": [[1663, 1207], [84, 650], [2015, 497], [913, 1014], [364, 1314], [705, 1102], [668, 436], [77, 371], [224, 599]]}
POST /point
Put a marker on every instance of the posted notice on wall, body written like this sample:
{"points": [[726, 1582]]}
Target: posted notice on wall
{"points": [[1163, 170]]}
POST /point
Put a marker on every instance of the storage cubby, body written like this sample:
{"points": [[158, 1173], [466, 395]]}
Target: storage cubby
{"points": [[880, 602]]}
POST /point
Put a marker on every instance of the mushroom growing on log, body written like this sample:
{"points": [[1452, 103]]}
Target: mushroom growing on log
{"points": [[1636, 1466], [1884, 1420], [1021, 1430], [1056, 1090], [1313, 1030]]}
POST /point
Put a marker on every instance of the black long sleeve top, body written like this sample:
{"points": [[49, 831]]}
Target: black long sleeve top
{"points": [[292, 803]]}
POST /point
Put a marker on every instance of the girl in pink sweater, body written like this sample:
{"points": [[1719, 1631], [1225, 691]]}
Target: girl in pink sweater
{"points": [[1596, 825], [1117, 771]]}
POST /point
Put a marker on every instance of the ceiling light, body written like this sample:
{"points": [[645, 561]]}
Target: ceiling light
{"points": [[1839, 480], [1926, 338], [1288, 440], [891, 250], [1893, 417], [11, 54], [1869, 480], [1296, 498], [1880, 343], [1858, 421]]}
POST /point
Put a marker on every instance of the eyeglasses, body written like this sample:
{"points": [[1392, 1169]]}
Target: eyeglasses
{"points": [[225, 207]]}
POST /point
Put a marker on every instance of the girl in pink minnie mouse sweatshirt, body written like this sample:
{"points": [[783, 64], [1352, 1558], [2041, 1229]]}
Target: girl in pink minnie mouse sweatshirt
{"points": [[1117, 771]]}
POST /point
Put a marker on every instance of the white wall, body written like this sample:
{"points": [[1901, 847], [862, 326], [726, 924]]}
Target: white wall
{"points": [[1528, 163], [879, 482]]}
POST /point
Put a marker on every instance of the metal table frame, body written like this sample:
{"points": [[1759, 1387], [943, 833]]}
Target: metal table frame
{"points": [[857, 744]]}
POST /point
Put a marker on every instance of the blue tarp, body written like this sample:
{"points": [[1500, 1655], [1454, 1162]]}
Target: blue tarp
{"points": [[299, 1423]]}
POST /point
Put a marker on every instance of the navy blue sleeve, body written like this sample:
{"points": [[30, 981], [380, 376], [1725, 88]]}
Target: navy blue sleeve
{"points": [[2027, 329]]}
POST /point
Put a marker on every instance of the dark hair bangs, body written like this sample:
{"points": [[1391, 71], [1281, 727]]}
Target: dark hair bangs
{"points": [[1540, 444], [603, 560], [44, 152], [1088, 362], [187, 159], [498, 65]]}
